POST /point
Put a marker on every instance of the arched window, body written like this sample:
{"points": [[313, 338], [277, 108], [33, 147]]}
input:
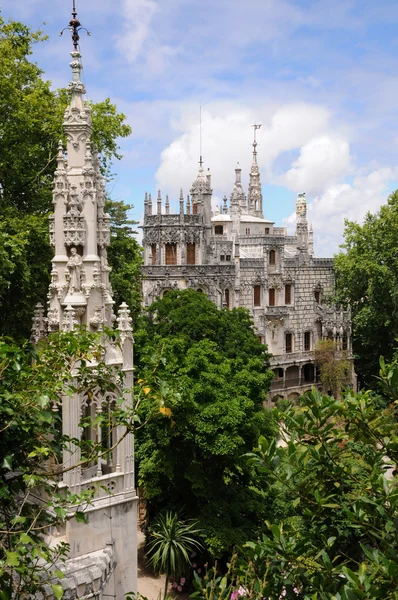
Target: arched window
{"points": [[272, 257], [191, 251], [271, 297], [288, 293], [153, 250], [227, 298], [218, 229], [288, 343], [266, 230], [171, 254], [257, 295], [307, 340]]}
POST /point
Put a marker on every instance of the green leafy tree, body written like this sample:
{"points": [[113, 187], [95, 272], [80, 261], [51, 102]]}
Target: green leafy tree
{"points": [[333, 366], [190, 457], [31, 117], [171, 543], [338, 539], [367, 279], [125, 258]]}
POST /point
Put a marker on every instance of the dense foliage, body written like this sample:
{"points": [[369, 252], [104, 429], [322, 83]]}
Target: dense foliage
{"points": [[336, 469], [190, 458], [31, 117], [367, 278]]}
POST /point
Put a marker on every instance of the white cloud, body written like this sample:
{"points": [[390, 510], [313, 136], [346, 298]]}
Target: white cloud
{"points": [[139, 34], [340, 201], [323, 160], [227, 136]]}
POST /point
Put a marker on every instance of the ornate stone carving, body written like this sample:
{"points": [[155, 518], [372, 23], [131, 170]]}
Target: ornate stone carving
{"points": [[39, 329], [53, 319], [151, 236], [192, 236], [170, 235], [74, 266], [104, 230], [69, 321], [97, 319], [124, 323]]}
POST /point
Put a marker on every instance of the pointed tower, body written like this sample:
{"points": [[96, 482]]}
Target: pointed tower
{"points": [[255, 198], [201, 194], [79, 227], [301, 223], [102, 551], [238, 198]]}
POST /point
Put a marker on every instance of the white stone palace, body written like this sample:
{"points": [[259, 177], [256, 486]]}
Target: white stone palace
{"points": [[239, 258], [103, 553]]}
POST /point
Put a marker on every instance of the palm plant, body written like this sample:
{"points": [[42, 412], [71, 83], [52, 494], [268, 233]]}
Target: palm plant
{"points": [[172, 542]]}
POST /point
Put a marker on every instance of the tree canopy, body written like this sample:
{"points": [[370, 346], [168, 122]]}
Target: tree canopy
{"points": [[336, 535], [190, 457], [367, 279]]}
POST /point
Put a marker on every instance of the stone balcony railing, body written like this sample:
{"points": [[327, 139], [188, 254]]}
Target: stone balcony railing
{"points": [[226, 270], [292, 358]]}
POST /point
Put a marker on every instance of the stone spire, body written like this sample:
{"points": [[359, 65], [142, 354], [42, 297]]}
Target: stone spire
{"points": [[80, 292], [159, 203], [167, 205], [201, 194], [238, 198], [255, 198]]}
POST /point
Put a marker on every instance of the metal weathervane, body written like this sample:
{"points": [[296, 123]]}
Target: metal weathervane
{"points": [[74, 27]]}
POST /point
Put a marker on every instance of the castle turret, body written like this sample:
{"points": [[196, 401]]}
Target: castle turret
{"points": [[201, 195], [301, 222]]}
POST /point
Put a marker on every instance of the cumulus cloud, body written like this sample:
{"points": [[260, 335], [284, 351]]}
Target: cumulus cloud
{"points": [[328, 210], [227, 136], [323, 160]]}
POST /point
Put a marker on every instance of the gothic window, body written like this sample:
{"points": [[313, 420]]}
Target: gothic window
{"points": [[218, 229], [222, 257], [227, 298], [190, 254], [307, 340], [272, 257], [153, 250], [257, 295], [266, 230], [288, 343], [317, 295], [288, 293], [247, 230], [195, 208], [228, 257], [171, 254], [271, 297], [345, 344]]}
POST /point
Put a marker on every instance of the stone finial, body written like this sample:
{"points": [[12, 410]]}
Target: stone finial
{"points": [[188, 205], [181, 202], [159, 203], [69, 321], [225, 207], [39, 329], [124, 321], [238, 174], [167, 205]]}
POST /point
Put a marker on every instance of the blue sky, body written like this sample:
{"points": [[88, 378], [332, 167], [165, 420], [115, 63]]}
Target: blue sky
{"points": [[320, 75]]}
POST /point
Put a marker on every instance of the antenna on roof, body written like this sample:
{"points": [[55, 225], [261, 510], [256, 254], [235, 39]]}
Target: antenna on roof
{"points": [[74, 27], [200, 136]]}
